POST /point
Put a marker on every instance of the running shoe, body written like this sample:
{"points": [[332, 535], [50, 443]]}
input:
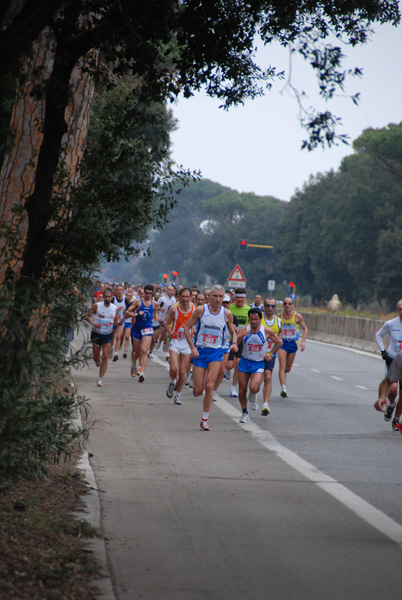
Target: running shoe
{"points": [[284, 393], [204, 425], [177, 399], [395, 424], [170, 390], [226, 375], [252, 398], [134, 370], [265, 411], [188, 377], [389, 412], [115, 357], [150, 355], [141, 377], [214, 396], [233, 392], [124, 354], [167, 357], [244, 418], [98, 363], [191, 382], [99, 383]]}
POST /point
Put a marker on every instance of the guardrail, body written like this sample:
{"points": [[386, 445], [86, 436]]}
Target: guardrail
{"points": [[353, 332]]}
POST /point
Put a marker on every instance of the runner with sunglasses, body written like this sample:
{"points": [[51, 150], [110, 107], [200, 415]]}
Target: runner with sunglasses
{"points": [[142, 331], [291, 321]]}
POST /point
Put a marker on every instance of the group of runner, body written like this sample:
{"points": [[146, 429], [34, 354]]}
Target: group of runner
{"points": [[207, 335]]}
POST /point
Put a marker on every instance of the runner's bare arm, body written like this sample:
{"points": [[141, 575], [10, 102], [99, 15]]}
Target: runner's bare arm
{"points": [[232, 328], [130, 312], [275, 338], [169, 317], [187, 329], [93, 310], [300, 321]]}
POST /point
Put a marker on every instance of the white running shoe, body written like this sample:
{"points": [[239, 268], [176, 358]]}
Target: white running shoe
{"points": [[226, 374], [233, 392], [244, 418], [177, 399], [252, 398], [100, 382]]}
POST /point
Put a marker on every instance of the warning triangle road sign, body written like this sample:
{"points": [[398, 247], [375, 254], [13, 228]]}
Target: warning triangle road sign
{"points": [[237, 275]]}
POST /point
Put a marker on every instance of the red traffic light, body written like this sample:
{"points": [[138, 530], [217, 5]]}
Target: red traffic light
{"points": [[165, 276], [175, 273], [243, 244], [291, 284]]}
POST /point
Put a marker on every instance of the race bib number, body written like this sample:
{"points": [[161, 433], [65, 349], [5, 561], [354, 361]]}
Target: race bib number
{"points": [[147, 331], [270, 346], [106, 327], [254, 347], [209, 337], [399, 344], [289, 332], [180, 334]]}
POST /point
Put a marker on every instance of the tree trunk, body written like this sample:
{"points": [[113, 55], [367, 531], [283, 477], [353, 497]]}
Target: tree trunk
{"points": [[48, 134]]}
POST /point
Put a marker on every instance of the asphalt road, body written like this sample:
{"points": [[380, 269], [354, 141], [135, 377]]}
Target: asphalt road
{"points": [[302, 504]]}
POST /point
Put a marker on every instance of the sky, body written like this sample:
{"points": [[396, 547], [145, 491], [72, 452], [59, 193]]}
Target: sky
{"points": [[257, 147]]}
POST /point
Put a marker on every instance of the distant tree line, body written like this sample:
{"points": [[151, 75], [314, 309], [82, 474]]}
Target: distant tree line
{"points": [[340, 234]]}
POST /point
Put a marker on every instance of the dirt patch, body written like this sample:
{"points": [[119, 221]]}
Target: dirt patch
{"points": [[43, 553]]}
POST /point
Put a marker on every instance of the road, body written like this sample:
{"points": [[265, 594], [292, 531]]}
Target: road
{"points": [[302, 504]]}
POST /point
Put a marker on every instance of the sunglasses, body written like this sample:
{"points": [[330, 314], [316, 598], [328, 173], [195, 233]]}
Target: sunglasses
{"points": [[288, 303], [270, 305]]}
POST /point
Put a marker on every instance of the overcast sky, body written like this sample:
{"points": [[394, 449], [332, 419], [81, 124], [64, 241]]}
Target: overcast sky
{"points": [[256, 148]]}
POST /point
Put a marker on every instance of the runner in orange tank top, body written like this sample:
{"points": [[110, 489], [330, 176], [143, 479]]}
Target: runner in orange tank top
{"points": [[179, 350]]}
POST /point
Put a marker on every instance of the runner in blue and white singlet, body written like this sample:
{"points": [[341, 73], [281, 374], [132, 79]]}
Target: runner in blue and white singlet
{"points": [[210, 321]]}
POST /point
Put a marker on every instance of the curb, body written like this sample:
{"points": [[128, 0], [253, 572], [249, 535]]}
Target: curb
{"points": [[92, 512]]}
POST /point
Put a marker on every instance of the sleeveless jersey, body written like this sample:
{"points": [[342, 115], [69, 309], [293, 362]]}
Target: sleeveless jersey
{"points": [[210, 329], [145, 320], [121, 306], [254, 345], [240, 313], [275, 325], [104, 315], [165, 302], [180, 318], [290, 330]]}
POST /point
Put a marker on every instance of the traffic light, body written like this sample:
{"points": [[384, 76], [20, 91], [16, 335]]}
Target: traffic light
{"points": [[175, 274], [165, 276], [291, 285], [243, 244]]}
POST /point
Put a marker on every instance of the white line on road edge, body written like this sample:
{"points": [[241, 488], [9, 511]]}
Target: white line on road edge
{"points": [[353, 502], [335, 377], [361, 387], [360, 507]]}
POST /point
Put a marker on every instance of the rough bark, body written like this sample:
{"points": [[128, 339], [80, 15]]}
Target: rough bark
{"points": [[48, 135]]}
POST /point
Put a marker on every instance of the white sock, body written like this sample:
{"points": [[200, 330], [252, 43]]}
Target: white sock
{"points": [[205, 416]]}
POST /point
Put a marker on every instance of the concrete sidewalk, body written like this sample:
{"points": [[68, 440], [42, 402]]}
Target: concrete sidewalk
{"points": [[189, 515]]}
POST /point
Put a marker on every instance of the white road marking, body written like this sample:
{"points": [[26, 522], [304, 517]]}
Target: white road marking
{"points": [[353, 502], [361, 387], [315, 370], [335, 377]]}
